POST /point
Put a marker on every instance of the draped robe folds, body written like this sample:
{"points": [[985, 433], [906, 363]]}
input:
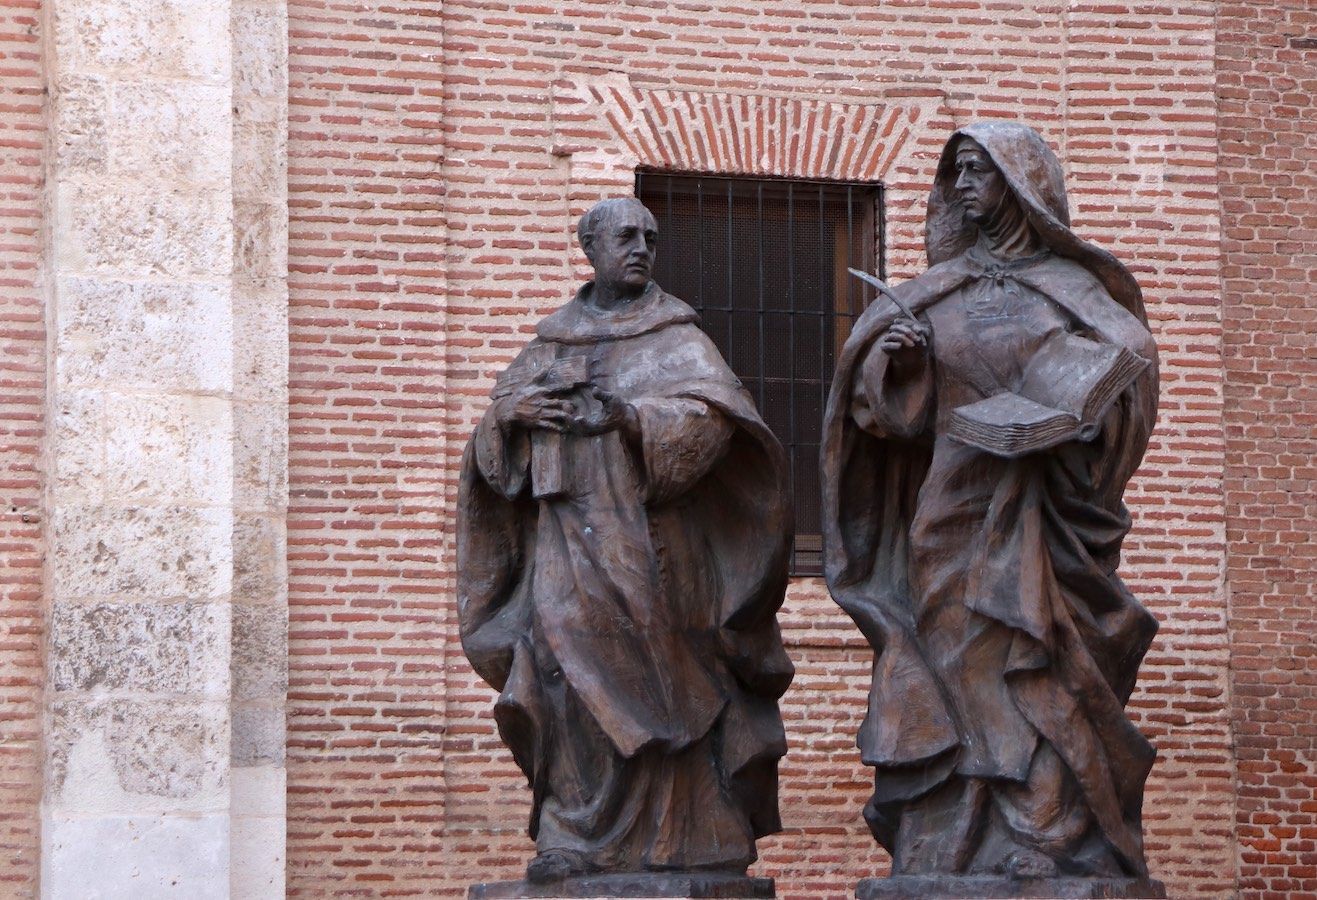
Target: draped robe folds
{"points": [[629, 623], [1005, 643]]}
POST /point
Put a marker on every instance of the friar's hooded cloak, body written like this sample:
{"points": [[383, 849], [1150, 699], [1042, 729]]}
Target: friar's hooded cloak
{"points": [[1043, 565]]}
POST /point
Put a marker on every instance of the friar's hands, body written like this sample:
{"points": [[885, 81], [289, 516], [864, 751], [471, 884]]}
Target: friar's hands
{"points": [[537, 405], [907, 344], [613, 414]]}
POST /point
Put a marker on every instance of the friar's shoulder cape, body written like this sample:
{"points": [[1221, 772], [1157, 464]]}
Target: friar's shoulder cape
{"points": [[735, 522]]}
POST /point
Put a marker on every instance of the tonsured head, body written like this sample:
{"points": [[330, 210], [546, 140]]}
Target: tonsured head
{"points": [[619, 236]]}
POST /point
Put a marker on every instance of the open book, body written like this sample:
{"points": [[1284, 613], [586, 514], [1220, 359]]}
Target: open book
{"points": [[1066, 390]]}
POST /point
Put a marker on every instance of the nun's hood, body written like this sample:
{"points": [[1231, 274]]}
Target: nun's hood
{"points": [[1036, 179]]}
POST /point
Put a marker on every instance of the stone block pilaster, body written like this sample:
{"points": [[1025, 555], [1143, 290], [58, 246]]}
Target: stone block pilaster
{"points": [[140, 498], [259, 666], [164, 276]]}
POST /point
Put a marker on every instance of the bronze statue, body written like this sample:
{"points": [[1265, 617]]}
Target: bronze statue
{"points": [[624, 530], [984, 420]]}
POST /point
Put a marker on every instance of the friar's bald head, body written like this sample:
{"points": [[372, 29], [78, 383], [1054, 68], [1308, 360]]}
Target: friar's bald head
{"points": [[618, 236]]}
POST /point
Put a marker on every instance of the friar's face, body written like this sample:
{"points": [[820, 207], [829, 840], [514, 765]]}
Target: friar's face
{"points": [[979, 182], [621, 248]]}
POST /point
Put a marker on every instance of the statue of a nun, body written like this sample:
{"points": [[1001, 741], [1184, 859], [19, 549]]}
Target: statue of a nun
{"points": [[1006, 645]]}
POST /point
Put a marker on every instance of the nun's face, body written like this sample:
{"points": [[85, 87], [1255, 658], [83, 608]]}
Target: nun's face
{"points": [[980, 184]]}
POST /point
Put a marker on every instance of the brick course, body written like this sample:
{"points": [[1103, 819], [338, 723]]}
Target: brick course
{"points": [[1266, 84], [22, 398], [368, 589]]}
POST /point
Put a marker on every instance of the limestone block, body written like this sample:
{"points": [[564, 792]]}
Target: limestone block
{"points": [[170, 38], [260, 161], [260, 350], [168, 449], [146, 647], [260, 233], [258, 791], [152, 554], [171, 131], [141, 335], [260, 44], [258, 832], [259, 553], [139, 857], [260, 456], [77, 446], [129, 229], [78, 105], [115, 755], [260, 734], [260, 655], [261, 845]]}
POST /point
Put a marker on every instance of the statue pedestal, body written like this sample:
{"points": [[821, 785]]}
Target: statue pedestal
{"points": [[964, 887], [632, 884]]}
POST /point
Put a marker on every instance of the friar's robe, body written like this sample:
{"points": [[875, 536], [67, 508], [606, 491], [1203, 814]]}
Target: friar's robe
{"points": [[629, 619], [1006, 644]]}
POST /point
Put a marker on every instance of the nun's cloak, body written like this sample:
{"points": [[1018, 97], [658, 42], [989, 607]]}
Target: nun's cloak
{"points": [[629, 622], [1006, 645]]}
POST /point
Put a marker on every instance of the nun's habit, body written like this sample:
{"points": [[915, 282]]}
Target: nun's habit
{"points": [[1005, 643]]}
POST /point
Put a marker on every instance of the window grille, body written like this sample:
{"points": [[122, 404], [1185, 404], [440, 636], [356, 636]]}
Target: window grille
{"points": [[764, 263]]}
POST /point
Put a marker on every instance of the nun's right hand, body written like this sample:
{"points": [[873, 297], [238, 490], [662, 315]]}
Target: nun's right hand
{"points": [[907, 344]]}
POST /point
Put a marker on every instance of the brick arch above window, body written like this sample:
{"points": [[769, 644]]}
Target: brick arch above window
{"points": [[745, 134], [607, 127]]}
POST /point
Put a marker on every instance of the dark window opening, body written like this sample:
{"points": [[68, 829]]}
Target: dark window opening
{"points": [[764, 263]]}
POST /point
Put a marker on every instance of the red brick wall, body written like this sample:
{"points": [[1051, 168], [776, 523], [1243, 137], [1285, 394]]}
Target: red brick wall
{"points": [[398, 782], [368, 591], [22, 389], [1267, 81]]}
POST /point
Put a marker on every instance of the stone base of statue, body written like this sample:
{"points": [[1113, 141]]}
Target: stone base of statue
{"points": [[964, 887], [723, 885]]}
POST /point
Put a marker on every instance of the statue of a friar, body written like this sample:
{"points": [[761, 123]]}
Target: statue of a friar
{"points": [[624, 531]]}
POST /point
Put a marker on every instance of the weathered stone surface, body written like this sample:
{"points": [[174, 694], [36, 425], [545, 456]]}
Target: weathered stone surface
{"points": [[260, 456], [168, 449], [179, 38], [259, 733], [141, 230], [78, 104], [260, 48], [260, 158], [638, 884], [156, 128], [949, 887], [143, 335], [260, 347], [259, 666], [110, 755], [149, 647], [142, 449], [77, 446], [156, 693], [261, 236], [259, 573], [147, 553]]}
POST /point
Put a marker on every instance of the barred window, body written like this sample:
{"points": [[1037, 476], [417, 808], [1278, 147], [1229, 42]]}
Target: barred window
{"points": [[764, 262]]}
